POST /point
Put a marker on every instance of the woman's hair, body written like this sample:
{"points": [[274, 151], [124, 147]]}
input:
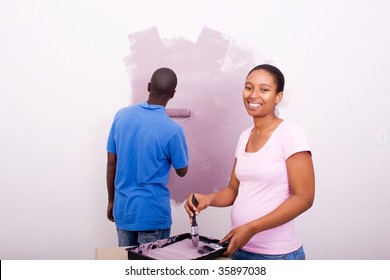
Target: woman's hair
{"points": [[275, 72]]}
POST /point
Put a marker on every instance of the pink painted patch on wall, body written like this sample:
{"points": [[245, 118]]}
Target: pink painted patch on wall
{"points": [[211, 76]]}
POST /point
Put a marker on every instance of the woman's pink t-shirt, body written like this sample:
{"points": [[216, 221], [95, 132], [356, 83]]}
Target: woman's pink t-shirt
{"points": [[264, 185]]}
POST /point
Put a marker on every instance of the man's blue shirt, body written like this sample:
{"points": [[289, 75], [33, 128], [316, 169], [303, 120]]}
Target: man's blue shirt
{"points": [[146, 142]]}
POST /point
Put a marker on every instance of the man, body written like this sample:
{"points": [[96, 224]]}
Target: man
{"points": [[142, 145]]}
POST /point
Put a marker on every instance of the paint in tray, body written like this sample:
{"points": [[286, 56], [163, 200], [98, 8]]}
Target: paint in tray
{"points": [[178, 247]]}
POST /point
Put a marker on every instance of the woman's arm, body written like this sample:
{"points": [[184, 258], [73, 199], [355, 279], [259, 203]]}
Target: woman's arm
{"points": [[222, 198]]}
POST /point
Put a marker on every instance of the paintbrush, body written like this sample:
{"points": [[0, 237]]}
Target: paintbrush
{"points": [[211, 247], [194, 225]]}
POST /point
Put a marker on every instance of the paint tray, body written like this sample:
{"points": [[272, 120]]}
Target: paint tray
{"points": [[177, 247]]}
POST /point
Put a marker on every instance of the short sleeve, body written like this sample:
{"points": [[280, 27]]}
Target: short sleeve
{"points": [[294, 141], [111, 144], [178, 150]]}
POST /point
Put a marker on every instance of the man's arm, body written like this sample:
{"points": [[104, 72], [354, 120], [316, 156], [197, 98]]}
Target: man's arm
{"points": [[182, 171], [110, 179]]}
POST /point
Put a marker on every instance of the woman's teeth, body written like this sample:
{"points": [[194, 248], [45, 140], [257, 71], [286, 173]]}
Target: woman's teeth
{"points": [[254, 105]]}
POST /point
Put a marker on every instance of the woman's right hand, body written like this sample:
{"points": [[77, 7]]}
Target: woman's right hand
{"points": [[203, 200]]}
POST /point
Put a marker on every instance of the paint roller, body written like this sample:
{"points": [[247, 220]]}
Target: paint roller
{"points": [[179, 113]]}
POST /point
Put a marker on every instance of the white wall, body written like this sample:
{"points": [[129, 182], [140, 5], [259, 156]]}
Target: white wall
{"points": [[62, 78]]}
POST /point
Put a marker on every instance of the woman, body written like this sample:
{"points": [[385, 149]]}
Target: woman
{"points": [[272, 180]]}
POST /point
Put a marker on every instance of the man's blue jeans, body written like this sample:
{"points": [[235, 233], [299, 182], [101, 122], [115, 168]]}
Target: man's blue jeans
{"points": [[130, 238]]}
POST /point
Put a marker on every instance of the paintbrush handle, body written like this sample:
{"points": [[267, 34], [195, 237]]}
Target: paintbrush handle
{"points": [[195, 202]]}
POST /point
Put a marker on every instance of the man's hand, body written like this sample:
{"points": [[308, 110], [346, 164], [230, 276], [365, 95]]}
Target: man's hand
{"points": [[110, 216]]}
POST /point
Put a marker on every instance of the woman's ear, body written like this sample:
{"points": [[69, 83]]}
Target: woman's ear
{"points": [[279, 97]]}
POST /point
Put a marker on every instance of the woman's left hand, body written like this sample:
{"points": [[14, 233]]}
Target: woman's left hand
{"points": [[238, 237]]}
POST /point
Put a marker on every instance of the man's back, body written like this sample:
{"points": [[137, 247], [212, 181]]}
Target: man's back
{"points": [[146, 142], [142, 145]]}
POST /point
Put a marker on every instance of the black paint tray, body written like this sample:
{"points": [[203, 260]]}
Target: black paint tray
{"points": [[177, 247]]}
